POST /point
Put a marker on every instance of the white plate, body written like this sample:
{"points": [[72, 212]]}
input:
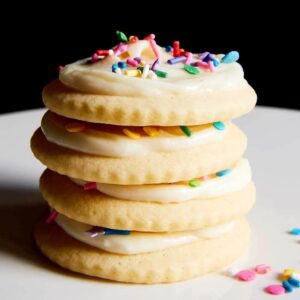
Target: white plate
{"points": [[274, 152]]}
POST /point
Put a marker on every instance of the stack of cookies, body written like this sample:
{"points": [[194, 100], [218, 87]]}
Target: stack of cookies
{"points": [[145, 178]]}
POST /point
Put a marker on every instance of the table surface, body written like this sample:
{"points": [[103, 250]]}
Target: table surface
{"points": [[274, 147]]}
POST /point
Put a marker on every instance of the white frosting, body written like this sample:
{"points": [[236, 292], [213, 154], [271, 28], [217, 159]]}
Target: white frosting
{"points": [[239, 177], [98, 78], [139, 242], [96, 139]]}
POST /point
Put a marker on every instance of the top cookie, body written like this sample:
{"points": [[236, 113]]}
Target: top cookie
{"points": [[138, 83]]}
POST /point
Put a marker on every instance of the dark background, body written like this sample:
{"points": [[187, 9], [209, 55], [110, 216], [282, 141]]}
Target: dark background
{"points": [[39, 38]]}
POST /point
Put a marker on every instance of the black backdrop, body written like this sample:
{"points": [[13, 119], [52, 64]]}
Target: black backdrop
{"points": [[37, 39]]}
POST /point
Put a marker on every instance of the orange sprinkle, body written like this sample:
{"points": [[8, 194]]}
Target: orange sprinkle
{"points": [[151, 131], [131, 134], [75, 127]]}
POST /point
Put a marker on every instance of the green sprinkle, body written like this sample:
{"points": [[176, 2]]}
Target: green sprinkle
{"points": [[194, 183], [186, 130], [192, 70], [161, 74], [122, 36]]}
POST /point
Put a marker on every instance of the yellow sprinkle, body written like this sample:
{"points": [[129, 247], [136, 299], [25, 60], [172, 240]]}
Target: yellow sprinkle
{"points": [[75, 127], [133, 73], [142, 63], [151, 131], [131, 134], [289, 272]]}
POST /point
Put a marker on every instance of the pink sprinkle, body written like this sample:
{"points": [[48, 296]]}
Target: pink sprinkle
{"points": [[202, 64], [150, 37], [204, 178], [60, 68], [275, 289], [262, 269], [246, 275], [95, 58], [211, 66], [154, 47], [132, 62], [90, 186], [188, 58], [52, 216], [121, 48]]}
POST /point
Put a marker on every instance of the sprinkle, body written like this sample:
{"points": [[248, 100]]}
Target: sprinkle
{"points": [[219, 125], [160, 73], [152, 75], [190, 69], [246, 275], [60, 68], [121, 36], [155, 65], [275, 289], [131, 134], [207, 58], [211, 66], [119, 49], [102, 52], [90, 186], [131, 62], [133, 73], [189, 56], [176, 48], [169, 48], [176, 60], [142, 63], [52, 216], [151, 131], [109, 231], [186, 130], [95, 58], [294, 282], [114, 67], [287, 286], [75, 127], [194, 183], [145, 71], [133, 39], [122, 65], [230, 57], [232, 271], [138, 59], [150, 37], [96, 231], [203, 55], [204, 178], [223, 172], [262, 269], [289, 272], [216, 62], [202, 64], [154, 48], [295, 231]]}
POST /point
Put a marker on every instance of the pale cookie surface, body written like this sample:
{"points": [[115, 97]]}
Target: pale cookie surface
{"points": [[156, 167], [209, 107], [174, 264], [95, 208]]}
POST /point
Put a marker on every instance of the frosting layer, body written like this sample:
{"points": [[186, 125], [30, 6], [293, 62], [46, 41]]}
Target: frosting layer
{"points": [[139, 242], [209, 187], [98, 78], [106, 140]]}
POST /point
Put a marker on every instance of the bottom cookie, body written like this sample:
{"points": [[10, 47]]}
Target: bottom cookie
{"points": [[170, 265]]}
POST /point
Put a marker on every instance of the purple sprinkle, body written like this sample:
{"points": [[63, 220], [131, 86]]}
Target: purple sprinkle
{"points": [[176, 60], [138, 59], [155, 65], [203, 55]]}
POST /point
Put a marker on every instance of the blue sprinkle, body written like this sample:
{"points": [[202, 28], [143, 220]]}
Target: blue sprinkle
{"points": [[223, 172], [295, 231], [122, 64], [108, 231], [176, 60], [230, 57], [287, 286], [219, 125], [114, 67], [294, 282], [215, 61], [169, 48]]}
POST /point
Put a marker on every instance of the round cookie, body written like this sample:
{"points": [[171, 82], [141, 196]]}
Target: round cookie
{"points": [[170, 265], [157, 167], [209, 106], [95, 208]]}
